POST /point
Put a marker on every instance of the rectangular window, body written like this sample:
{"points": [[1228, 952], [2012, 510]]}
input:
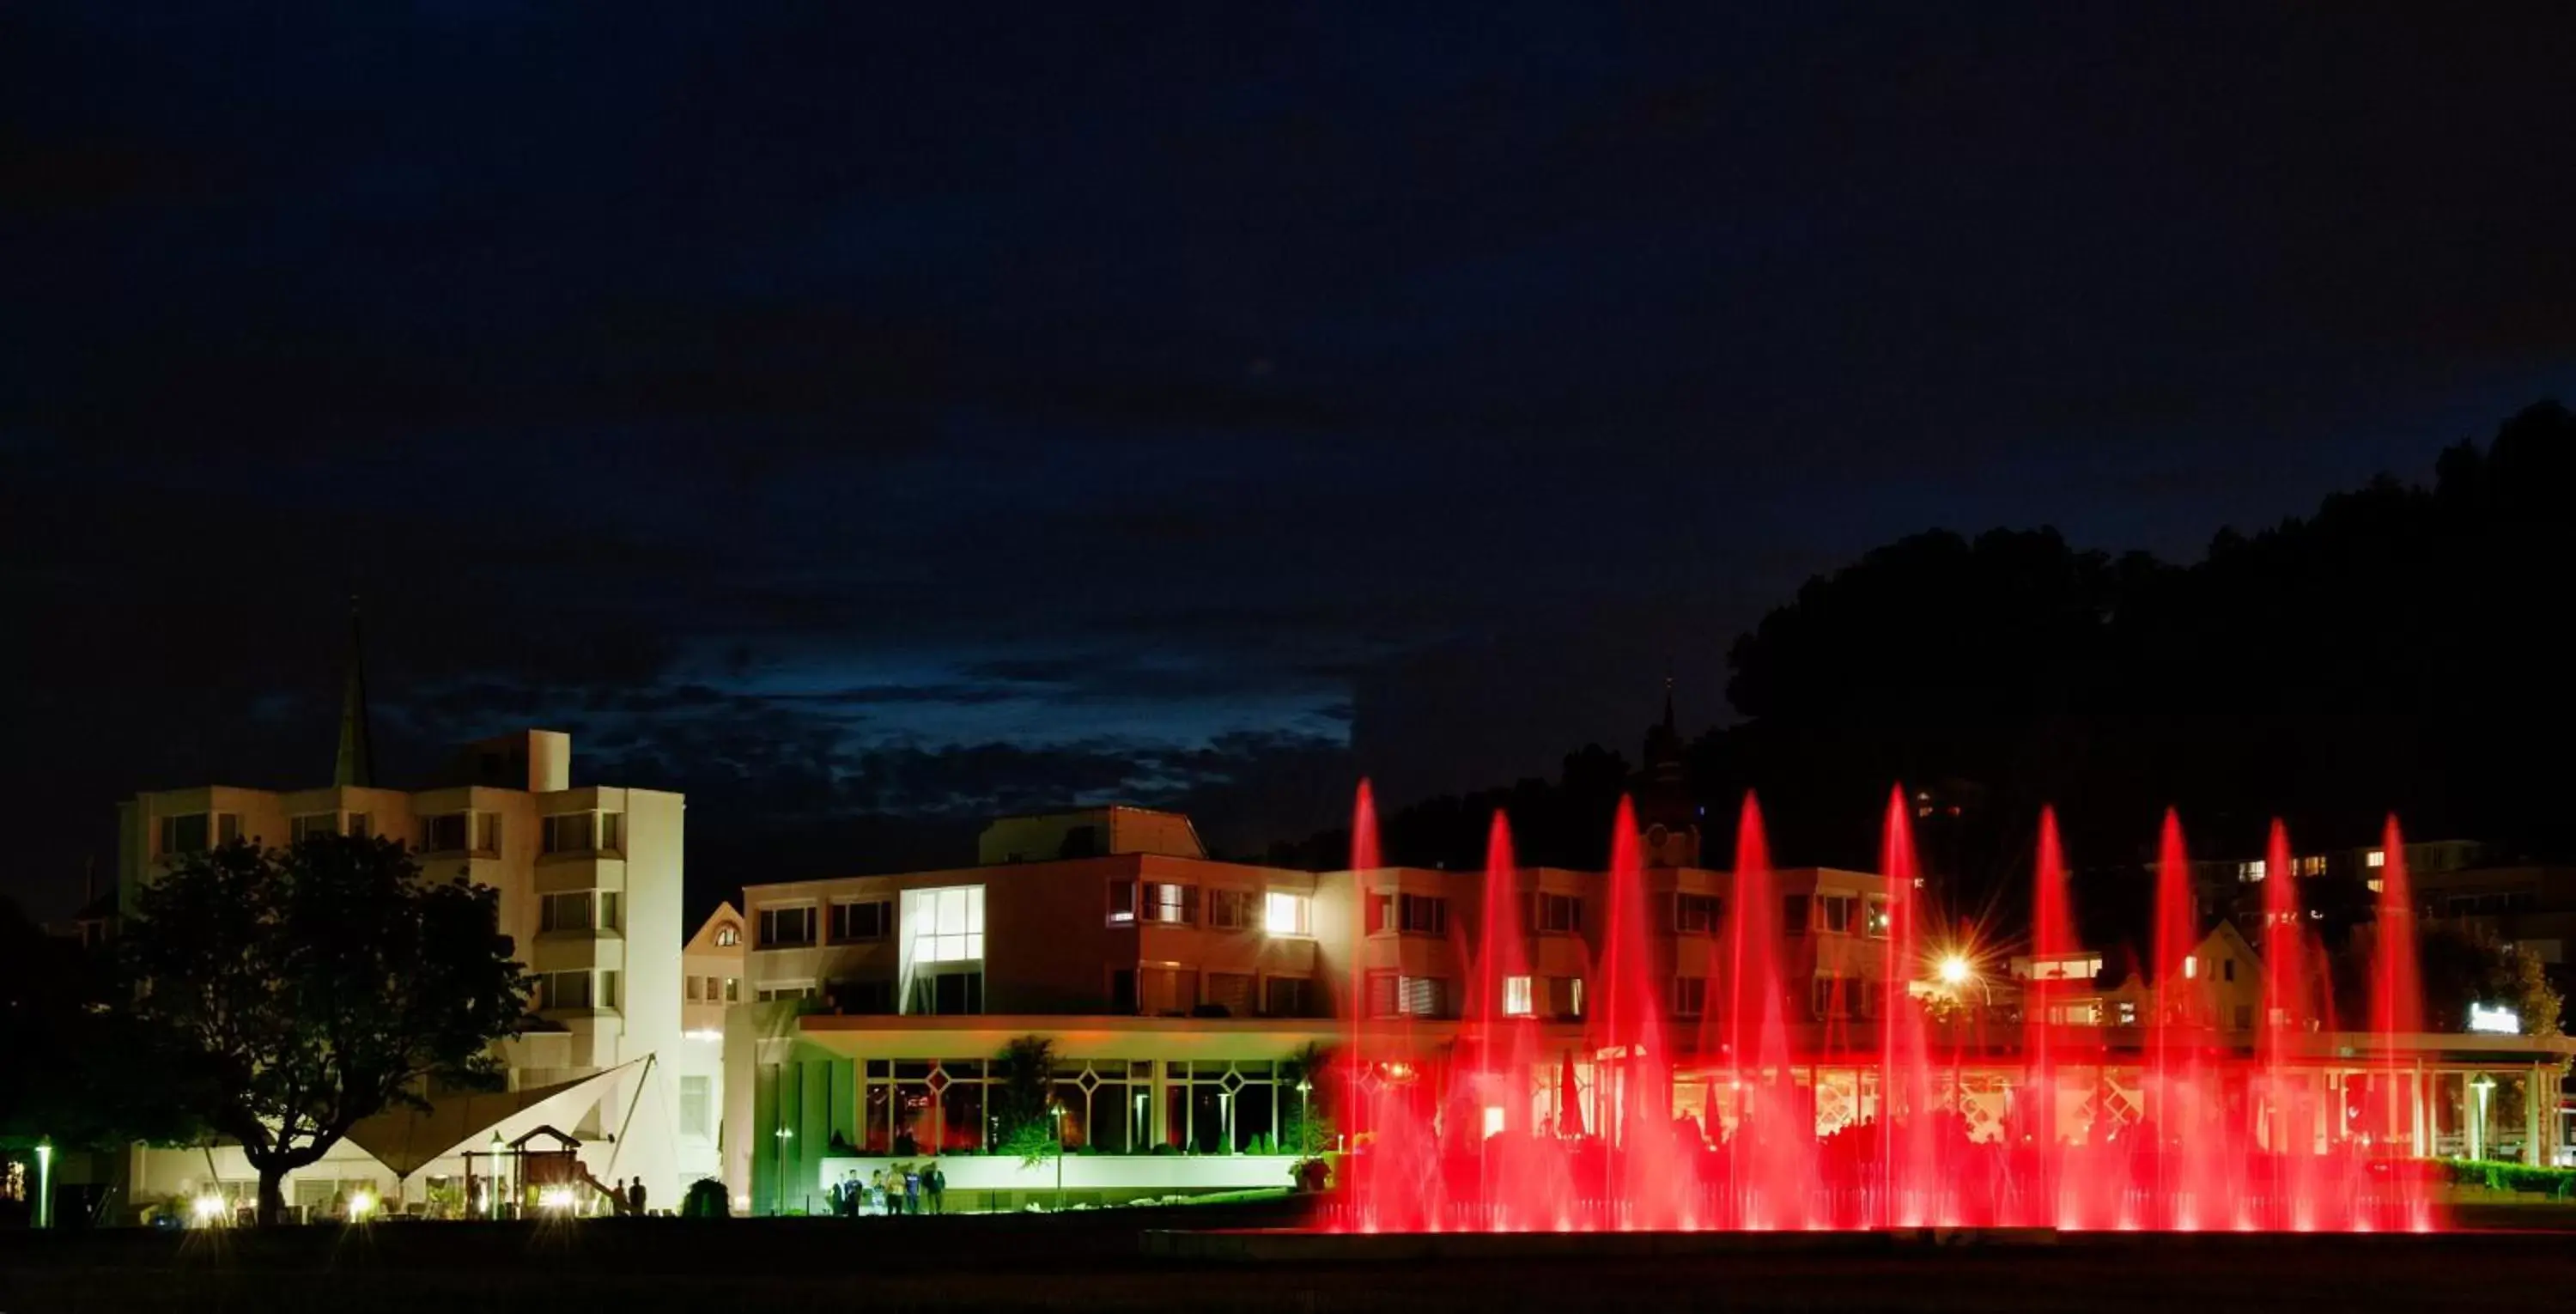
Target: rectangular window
{"points": [[2227, 969], [1793, 914], [487, 832], [868, 997], [1834, 913], [2128, 1012], [1287, 912], [1690, 996], [1697, 914], [1391, 995], [1516, 996], [1832, 997], [862, 919], [1229, 910], [1557, 914], [2375, 859], [612, 832], [557, 990], [612, 911], [187, 833], [1122, 990], [1286, 996], [1231, 991], [803, 990], [951, 994], [609, 994], [946, 925], [1565, 997], [696, 988], [362, 825], [733, 990], [1165, 991], [306, 827], [715, 990], [564, 912], [443, 832], [1415, 914], [1175, 905], [227, 827], [2251, 872], [1875, 918], [694, 1120], [1122, 902], [571, 832], [787, 927]]}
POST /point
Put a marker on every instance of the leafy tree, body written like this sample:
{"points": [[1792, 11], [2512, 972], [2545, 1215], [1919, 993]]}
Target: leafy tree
{"points": [[1306, 1126], [308, 988], [1025, 1099]]}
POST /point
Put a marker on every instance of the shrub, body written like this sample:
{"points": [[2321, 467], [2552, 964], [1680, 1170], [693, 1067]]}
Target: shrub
{"points": [[706, 1199]]}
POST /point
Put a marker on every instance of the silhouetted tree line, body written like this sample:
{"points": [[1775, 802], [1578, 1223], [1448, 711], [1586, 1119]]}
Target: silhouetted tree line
{"points": [[2397, 651]]}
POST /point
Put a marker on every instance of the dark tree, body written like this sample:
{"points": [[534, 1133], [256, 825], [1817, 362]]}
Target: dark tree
{"points": [[81, 1072], [311, 987]]}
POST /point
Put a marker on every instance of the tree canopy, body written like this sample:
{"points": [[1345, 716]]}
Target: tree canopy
{"points": [[2390, 652], [307, 988]]}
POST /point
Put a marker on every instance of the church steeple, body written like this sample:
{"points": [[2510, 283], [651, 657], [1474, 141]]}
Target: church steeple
{"points": [[357, 762], [1665, 809]]}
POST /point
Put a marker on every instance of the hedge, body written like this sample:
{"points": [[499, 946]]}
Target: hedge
{"points": [[2557, 1183]]}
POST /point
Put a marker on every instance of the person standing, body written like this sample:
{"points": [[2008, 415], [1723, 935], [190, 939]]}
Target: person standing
{"points": [[934, 1183], [911, 1189], [635, 1198]]}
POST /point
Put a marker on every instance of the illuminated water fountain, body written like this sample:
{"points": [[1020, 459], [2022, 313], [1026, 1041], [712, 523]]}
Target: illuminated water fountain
{"points": [[1784, 1090]]}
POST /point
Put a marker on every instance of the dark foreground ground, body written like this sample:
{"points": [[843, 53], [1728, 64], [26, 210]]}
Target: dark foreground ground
{"points": [[1092, 1261]]}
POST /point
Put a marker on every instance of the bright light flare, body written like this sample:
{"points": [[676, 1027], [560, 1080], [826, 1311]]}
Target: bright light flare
{"points": [[1955, 970]]}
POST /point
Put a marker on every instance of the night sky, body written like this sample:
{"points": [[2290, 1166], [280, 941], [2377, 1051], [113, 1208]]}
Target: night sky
{"points": [[934, 410]]}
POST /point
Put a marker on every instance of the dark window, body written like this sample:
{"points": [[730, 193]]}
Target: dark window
{"points": [[571, 832], [1793, 914], [1081, 842], [1834, 913], [1229, 910], [186, 834], [1122, 901], [863, 997], [1286, 996], [1558, 914], [444, 833], [948, 993], [1415, 914], [1697, 914], [786, 926], [1230, 991], [867, 919], [1122, 990], [1166, 991], [1690, 996]]}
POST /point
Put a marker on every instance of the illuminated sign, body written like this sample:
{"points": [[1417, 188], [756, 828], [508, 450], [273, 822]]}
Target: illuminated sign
{"points": [[2494, 1020]]}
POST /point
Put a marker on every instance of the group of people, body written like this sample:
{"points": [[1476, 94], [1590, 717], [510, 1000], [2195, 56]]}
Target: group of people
{"points": [[902, 1189], [629, 1197]]}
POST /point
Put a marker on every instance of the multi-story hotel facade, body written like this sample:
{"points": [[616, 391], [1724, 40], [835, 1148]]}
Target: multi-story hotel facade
{"points": [[589, 880]]}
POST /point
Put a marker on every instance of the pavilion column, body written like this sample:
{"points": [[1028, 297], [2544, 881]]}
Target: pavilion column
{"points": [[2534, 1131]]}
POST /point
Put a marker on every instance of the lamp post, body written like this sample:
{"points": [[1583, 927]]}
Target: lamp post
{"points": [[45, 1183], [497, 1149], [1305, 1126], [1056, 1111]]}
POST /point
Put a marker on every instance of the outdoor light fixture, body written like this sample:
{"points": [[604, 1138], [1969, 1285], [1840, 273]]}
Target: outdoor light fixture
{"points": [[555, 1199], [742, 1203], [360, 1205], [1954, 969], [209, 1208], [45, 1183]]}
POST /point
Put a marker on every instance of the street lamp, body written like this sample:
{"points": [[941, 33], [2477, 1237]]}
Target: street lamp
{"points": [[1057, 1112], [45, 1183], [1305, 1125]]}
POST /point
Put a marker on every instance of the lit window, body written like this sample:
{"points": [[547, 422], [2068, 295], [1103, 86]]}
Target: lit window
{"points": [[1565, 996], [728, 935], [1286, 913], [1175, 905], [694, 1106], [1876, 919], [1516, 996], [2377, 858], [2190, 967], [946, 926], [2251, 872]]}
